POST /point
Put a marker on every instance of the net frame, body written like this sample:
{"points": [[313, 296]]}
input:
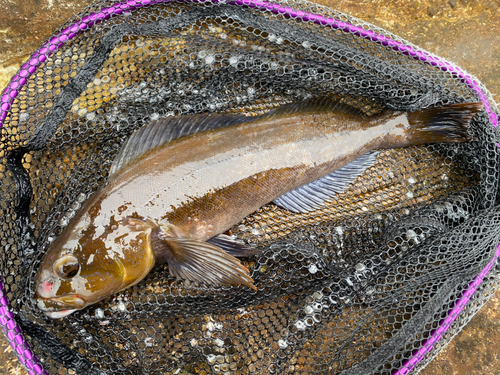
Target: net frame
{"points": [[14, 333]]}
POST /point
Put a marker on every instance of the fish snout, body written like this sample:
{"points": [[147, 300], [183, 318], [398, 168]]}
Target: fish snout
{"points": [[52, 308], [52, 304], [59, 304]]}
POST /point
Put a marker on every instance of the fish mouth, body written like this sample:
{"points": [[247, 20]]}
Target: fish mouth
{"points": [[58, 314], [58, 307]]}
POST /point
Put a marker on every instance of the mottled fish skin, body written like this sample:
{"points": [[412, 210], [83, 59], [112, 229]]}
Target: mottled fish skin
{"points": [[165, 204]]}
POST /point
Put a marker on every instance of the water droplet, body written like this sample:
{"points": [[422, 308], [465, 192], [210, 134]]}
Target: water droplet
{"points": [[317, 295], [69, 214], [370, 290], [87, 338], [24, 116], [282, 344], [233, 60], [308, 310], [209, 59], [313, 269], [360, 267], [300, 325], [255, 231], [410, 234]]}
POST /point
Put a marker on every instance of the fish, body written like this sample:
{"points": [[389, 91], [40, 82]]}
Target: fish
{"points": [[180, 182]]}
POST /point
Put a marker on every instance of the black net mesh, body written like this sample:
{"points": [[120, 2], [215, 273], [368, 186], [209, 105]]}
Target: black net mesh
{"points": [[356, 287]]}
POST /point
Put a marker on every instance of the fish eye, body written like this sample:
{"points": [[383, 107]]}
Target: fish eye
{"points": [[67, 267]]}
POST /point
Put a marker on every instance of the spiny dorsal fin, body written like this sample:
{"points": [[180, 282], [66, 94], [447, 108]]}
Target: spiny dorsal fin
{"points": [[312, 196], [167, 129]]}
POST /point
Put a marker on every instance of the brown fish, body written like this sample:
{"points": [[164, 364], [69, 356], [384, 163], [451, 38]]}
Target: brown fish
{"points": [[165, 199]]}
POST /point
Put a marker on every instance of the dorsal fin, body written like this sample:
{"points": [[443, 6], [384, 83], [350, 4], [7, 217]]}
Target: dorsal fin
{"points": [[167, 129]]}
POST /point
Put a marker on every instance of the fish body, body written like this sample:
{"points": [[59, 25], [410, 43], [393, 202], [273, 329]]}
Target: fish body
{"points": [[163, 203]]}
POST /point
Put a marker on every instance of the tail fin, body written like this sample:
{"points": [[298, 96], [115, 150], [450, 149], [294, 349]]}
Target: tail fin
{"points": [[449, 123]]}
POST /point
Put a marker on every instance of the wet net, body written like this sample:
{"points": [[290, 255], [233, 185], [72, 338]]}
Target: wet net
{"points": [[376, 282]]}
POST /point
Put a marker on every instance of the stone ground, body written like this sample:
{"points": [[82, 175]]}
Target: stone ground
{"points": [[466, 32]]}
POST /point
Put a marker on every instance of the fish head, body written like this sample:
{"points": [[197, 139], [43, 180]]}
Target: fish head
{"points": [[78, 270]]}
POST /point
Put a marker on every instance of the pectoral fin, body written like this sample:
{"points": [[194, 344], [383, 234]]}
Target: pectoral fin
{"points": [[204, 262]]}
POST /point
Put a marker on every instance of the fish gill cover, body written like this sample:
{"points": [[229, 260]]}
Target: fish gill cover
{"points": [[368, 284]]}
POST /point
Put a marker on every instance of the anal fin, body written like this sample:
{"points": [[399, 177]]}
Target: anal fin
{"points": [[312, 196], [204, 262]]}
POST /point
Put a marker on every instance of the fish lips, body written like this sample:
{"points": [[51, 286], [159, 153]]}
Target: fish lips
{"points": [[57, 307], [58, 314]]}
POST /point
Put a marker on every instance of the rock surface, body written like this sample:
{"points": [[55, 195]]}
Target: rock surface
{"points": [[466, 32]]}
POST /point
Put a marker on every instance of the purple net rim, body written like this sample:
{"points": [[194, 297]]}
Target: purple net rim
{"points": [[445, 324], [10, 93], [14, 335]]}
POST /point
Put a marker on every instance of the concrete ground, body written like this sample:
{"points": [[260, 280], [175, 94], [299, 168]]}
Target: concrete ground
{"points": [[466, 32]]}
